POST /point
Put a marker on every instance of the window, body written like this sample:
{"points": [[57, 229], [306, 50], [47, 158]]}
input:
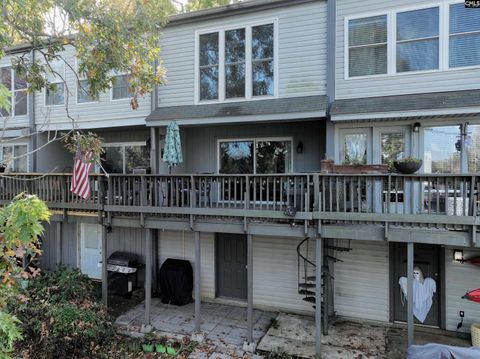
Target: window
{"points": [[55, 96], [417, 40], [237, 63], [441, 153], [124, 158], [83, 92], [18, 87], [392, 146], [259, 156], [472, 144], [355, 148], [14, 157], [367, 42], [464, 39], [120, 88], [262, 60]]}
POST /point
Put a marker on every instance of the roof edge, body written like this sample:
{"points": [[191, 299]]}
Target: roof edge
{"points": [[232, 9]]}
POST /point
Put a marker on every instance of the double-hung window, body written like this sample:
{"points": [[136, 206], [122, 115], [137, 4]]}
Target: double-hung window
{"points": [[14, 157], [237, 63], [121, 87], [17, 88], [255, 156], [417, 37], [464, 36], [83, 91], [367, 46], [55, 94]]}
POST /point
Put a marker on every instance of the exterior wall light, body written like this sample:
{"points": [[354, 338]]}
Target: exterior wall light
{"points": [[300, 147], [458, 256], [416, 126]]}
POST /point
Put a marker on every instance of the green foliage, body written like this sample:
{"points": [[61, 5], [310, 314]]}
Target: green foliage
{"points": [[194, 5], [61, 317], [9, 334], [21, 224], [410, 160], [88, 142], [108, 35]]}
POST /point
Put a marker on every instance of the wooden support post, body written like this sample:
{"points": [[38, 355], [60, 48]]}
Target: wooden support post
{"points": [[148, 278], [104, 266], [410, 318], [250, 288], [318, 296], [155, 246], [58, 254], [197, 281]]}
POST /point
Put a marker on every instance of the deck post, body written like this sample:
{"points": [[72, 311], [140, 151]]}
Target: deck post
{"points": [[197, 281], [410, 318], [104, 266], [146, 327], [250, 288], [318, 296], [58, 254]]}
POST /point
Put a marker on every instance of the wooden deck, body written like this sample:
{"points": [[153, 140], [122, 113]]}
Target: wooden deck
{"points": [[364, 206]]}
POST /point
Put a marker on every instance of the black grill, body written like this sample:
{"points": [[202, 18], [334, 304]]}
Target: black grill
{"points": [[122, 270]]}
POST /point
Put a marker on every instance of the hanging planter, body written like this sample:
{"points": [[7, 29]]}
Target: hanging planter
{"points": [[86, 143], [408, 165]]}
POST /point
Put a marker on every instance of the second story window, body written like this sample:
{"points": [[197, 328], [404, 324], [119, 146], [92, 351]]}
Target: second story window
{"points": [[418, 40], [18, 92], [14, 157], [464, 37], [367, 46], [56, 95], [236, 63], [120, 89], [209, 60]]}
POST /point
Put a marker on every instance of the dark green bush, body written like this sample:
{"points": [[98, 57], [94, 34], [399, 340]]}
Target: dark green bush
{"points": [[61, 318]]}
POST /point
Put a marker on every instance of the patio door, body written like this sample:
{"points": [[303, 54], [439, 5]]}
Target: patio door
{"points": [[231, 265], [91, 250], [427, 258], [391, 143]]}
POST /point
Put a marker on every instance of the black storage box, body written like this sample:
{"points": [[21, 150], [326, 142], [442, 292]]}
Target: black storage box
{"points": [[176, 281]]}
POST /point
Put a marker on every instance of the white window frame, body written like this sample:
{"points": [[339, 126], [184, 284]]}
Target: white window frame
{"points": [[58, 81], [444, 37], [123, 145], [248, 62], [77, 87], [447, 44], [111, 88], [12, 92], [13, 145], [255, 140], [355, 131]]}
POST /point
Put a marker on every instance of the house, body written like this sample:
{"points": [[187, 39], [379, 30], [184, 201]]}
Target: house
{"points": [[262, 90]]}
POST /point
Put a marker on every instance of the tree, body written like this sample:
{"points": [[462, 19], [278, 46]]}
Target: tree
{"points": [[21, 224], [108, 36], [194, 5]]}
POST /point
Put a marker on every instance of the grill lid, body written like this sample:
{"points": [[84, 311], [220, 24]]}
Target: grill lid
{"points": [[124, 259]]}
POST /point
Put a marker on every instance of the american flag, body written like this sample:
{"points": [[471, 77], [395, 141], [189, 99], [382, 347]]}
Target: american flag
{"points": [[80, 183]]}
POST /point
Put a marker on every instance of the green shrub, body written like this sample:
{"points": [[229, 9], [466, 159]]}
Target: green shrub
{"points": [[61, 317], [9, 333]]}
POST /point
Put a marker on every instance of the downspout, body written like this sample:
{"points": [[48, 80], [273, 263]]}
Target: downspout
{"points": [[330, 86], [32, 143]]}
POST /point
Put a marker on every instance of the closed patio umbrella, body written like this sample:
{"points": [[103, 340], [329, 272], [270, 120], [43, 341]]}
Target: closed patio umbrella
{"points": [[172, 152]]}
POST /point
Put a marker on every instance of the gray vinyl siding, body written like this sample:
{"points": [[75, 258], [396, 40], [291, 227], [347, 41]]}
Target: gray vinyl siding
{"points": [[461, 278], [451, 80], [180, 245], [200, 143], [275, 275], [15, 121], [361, 281], [102, 114], [50, 242], [301, 64]]}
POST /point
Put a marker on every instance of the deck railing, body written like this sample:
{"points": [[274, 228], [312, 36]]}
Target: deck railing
{"points": [[446, 201]]}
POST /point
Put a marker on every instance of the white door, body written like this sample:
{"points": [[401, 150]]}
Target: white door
{"points": [[91, 250]]}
